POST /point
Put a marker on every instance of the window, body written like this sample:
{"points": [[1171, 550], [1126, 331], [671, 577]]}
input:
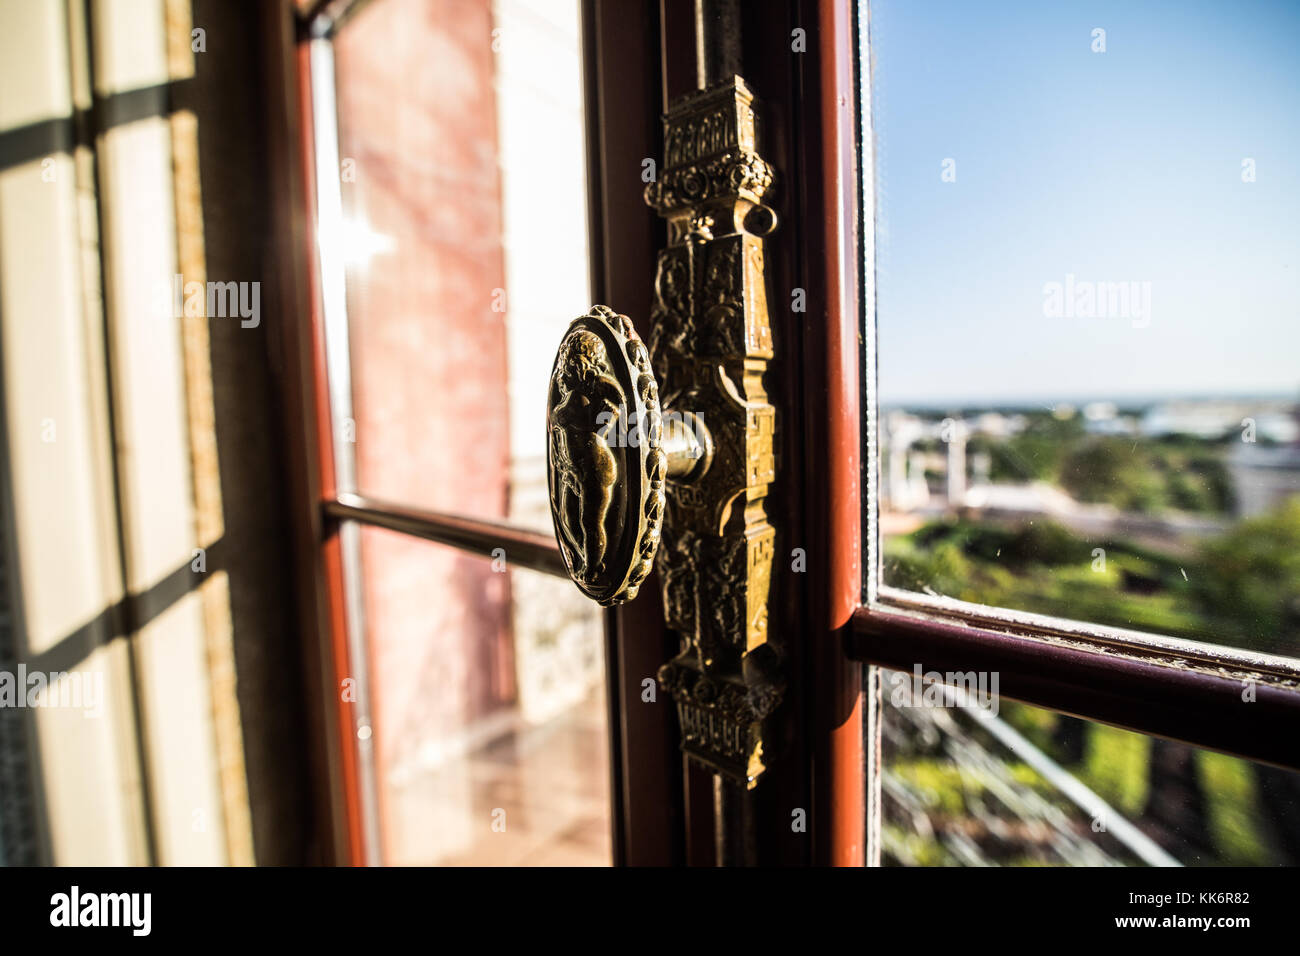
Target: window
{"points": [[1095, 413], [1082, 424], [473, 716]]}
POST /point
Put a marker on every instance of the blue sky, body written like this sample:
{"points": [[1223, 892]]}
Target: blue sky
{"points": [[1117, 166]]}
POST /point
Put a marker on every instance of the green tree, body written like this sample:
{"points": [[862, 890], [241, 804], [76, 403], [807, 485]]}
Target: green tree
{"points": [[1113, 470], [1250, 585]]}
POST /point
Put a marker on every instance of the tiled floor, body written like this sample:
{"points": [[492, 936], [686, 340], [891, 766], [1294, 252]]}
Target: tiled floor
{"points": [[532, 796]]}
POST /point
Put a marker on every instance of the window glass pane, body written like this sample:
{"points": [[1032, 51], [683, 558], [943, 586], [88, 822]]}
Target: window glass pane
{"points": [[462, 165], [490, 735], [1007, 784], [1088, 275]]}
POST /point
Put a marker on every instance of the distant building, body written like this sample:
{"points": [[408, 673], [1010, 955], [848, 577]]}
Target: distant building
{"points": [[1263, 477], [1272, 420]]}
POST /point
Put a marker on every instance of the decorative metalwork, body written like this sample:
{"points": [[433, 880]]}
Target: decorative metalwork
{"points": [[605, 464], [710, 345]]}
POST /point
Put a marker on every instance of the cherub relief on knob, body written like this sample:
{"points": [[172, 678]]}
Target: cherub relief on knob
{"points": [[590, 402], [610, 455]]}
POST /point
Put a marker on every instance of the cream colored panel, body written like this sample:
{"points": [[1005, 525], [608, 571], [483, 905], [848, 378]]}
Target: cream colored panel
{"points": [[153, 462], [130, 45], [56, 402], [179, 735], [153, 440], [59, 455], [35, 75], [87, 756], [61, 476], [67, 564]]}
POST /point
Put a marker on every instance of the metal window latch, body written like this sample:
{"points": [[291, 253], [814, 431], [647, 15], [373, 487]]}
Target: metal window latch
{"points": [[666, 454]]}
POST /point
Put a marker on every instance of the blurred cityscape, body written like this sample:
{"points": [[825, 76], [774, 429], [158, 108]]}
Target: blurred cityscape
{"points": [[1176, 517]]}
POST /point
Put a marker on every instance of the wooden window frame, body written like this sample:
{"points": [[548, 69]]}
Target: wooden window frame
{"points": [[635, 64]]}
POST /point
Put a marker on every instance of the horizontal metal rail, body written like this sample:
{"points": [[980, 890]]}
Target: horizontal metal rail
{"points": [[518, 546], [1252, 714]]}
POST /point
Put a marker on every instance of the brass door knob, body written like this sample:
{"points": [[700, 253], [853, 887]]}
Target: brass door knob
{"points": [[609, 455]]}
